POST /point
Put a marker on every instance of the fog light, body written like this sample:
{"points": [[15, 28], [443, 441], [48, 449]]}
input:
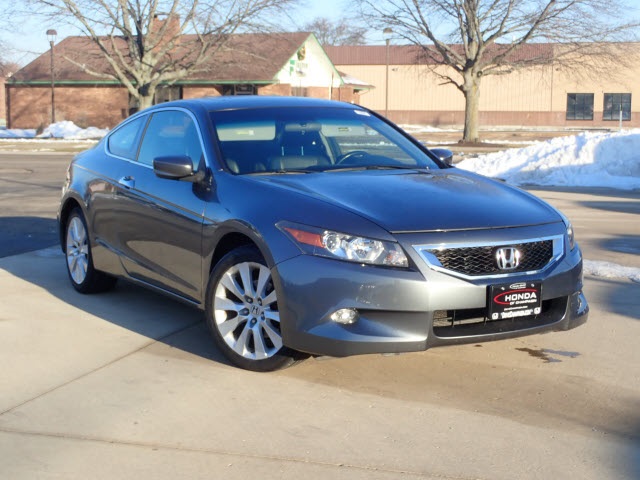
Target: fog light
{"points": [[345, 316]]}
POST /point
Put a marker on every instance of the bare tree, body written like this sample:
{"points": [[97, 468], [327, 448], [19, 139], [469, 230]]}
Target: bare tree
{"points": [[148, 43], [6, 67], [341, 32], [476, 38]]}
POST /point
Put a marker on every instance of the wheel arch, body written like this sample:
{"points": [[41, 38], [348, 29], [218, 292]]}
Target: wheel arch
{"points": [[231, 236], [230, 241], [67, 207]]}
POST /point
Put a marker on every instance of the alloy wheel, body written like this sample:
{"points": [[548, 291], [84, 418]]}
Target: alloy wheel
{"points": [[246, 311], [77, 250]]}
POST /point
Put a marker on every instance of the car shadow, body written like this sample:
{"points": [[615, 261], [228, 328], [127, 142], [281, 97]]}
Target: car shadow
{"points": [[129, 306], [25, 234], [593, 191], [629, 206], [629, 244], [616, 296]]}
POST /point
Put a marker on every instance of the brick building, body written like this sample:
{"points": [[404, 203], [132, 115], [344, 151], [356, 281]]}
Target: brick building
{"points": [[3, 102], [261, 64]]}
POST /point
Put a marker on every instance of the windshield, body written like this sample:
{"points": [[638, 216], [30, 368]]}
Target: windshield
{"points": [[299, 139]]}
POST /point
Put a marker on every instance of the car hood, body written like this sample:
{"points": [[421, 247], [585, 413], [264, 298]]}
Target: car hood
{"points": [[411, 201]]}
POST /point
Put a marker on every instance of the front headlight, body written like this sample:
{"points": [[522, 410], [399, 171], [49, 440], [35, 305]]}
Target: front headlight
{"points": [[571, 236], [328, 243], [569, 227]]}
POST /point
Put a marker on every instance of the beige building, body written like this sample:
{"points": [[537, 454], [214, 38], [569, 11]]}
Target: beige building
{"points": [[548, 95]]}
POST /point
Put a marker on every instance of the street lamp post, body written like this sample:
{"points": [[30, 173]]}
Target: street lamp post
{"points": [[51, 36], [387, 33]]}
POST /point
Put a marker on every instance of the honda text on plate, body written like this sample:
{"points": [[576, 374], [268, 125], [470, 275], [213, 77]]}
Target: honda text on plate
{"points": [[304, 226]]}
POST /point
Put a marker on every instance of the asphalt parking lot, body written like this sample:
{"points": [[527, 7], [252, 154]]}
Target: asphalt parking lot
{"points": [[128, 385]]}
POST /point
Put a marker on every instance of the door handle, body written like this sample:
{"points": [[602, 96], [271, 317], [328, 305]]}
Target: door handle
{"points": [[127, 182]]}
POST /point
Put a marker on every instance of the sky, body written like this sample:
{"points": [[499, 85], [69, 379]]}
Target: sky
{"points": [[28, 40]]}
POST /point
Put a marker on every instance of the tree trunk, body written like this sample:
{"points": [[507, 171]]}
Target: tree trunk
{"points": [[471, 90], [145, 101], [146, 93]]}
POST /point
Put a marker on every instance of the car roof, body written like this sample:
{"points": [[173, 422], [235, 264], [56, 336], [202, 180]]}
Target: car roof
{"points": [[253, 101]]}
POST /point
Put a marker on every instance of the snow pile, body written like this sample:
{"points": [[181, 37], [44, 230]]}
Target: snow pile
{"points": [[590, 159], [611, 270], [18, 133], [411, 129], [70, 130], [64, 129]]}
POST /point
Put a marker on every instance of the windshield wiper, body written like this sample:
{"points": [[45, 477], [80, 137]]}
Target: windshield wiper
{"points": [[377, 167], [283, 172]]}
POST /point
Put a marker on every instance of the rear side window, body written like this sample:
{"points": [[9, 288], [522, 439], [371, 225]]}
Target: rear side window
{"points": [[171, 133], [124, 141]]}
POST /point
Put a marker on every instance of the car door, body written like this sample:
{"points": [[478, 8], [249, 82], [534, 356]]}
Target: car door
{"points": [[103, 213], [161, 223]]}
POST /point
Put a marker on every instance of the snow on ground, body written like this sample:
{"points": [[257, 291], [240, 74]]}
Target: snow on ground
{"points": [[65, 129], [70, 130], [590, 159], [509, 142], [611, 270], [18, 133], [411, 129], [439, 144]]}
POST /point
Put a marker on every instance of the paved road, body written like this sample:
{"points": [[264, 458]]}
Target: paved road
{"points": [[128, 385], [30, 188]]}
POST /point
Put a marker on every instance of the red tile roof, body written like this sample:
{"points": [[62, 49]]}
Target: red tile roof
{"points": [[246, 57]]}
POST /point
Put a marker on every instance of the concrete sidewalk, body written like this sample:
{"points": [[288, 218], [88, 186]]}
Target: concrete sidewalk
{"points": [[128, 385]]}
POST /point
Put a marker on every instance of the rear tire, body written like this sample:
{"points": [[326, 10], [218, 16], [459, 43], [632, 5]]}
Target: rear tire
{"points": [[77, 249], [242, 313]]}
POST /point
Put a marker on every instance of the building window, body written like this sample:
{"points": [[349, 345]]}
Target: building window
{"points": [[167, 93], [615, 104], [580, 106], [239, 89], [299, 92], [245, 89]]}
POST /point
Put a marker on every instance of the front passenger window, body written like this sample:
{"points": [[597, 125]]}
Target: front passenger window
{"points": [[171, 133]]}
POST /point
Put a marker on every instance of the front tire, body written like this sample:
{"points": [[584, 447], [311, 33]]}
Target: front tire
{"points": [[242, 312], [77, 248]]}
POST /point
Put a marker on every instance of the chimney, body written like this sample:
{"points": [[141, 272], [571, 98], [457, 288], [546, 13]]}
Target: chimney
{"points": [[171, 26]]}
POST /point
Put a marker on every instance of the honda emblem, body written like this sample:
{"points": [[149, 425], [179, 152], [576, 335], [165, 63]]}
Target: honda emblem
{"points": [[508, 258]]}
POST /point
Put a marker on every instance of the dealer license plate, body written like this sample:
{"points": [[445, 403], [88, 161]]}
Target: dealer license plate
{"points": [[511, 300]]}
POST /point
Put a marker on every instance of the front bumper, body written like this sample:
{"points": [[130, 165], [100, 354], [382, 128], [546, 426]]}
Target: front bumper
{"points": [[406, 310]]}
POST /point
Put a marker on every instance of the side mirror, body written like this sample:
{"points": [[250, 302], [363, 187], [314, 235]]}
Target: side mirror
{"points": [[444, 155], [178, 167]]}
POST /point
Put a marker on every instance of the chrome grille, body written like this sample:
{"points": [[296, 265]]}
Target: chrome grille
{"points": [[472, 261], [482, 260]]}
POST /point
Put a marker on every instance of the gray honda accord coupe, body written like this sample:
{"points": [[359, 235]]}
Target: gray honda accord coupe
{"points": [[304, 226]]}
